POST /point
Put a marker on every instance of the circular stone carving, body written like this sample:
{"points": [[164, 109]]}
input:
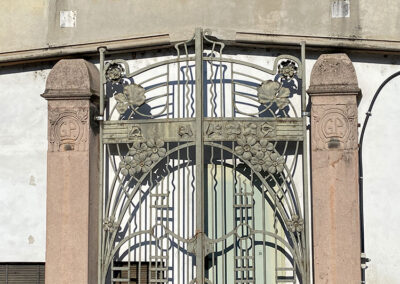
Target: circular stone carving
{"points": [[68, 129], [334, 125]]}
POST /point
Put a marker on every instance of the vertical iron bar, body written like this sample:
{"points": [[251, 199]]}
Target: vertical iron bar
{"points": [[305, 163], [150, 188], [263, 200], [213, 231], [222, 190], [168, 95], [179, 215], [199, 157], [187, 214], [232, 93], [234, 210], [178, 86], [129, 243], [139, 271], [101, 165]]}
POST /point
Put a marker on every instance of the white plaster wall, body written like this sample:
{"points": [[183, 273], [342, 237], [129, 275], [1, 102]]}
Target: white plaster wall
{"points": [[381, 155], [23, 145]]}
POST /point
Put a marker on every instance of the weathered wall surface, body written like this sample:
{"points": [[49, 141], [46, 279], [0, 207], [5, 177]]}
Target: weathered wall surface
{"points": [[35, 24], [381, 155], [23, 24], [23, 145]]}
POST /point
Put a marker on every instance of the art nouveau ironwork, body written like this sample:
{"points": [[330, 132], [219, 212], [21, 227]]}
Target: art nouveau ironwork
{"points": [[201, 182]]}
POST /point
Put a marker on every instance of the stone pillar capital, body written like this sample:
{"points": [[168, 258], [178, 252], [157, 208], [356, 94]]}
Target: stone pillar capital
{"points": [[333, 74], [72, 79], [334, 94]]}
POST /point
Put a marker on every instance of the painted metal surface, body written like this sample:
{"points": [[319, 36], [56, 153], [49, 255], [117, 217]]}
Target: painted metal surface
{"points": [[200, 154]]}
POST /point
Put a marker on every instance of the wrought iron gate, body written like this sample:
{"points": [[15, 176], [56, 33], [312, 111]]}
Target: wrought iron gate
{"points": [[200, 178]]}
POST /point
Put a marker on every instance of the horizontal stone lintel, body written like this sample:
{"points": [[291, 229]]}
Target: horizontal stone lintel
{"points": [[181, 130]]}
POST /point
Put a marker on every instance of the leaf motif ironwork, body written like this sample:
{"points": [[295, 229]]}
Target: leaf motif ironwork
{"points": [[270, 92], [132, 96]]}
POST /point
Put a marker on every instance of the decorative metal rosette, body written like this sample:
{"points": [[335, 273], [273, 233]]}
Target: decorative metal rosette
{"points": [[115, 73], [287, 69], [109, 224], [260, 154], [296, 224], [142, 156]]}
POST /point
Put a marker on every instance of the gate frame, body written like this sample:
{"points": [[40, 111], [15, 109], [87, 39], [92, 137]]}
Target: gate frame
{"points": [[199, 120]]}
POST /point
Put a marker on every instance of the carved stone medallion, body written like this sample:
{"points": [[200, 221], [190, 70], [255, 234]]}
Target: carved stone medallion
{"points": [[68, 129], [335, 127]]}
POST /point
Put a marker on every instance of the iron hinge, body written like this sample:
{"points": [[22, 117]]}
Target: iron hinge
{"points": [[305, 113], [99, 118], [364, 261]]}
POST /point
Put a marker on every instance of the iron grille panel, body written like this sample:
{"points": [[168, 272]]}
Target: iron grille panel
{"points": [[205, 168]]}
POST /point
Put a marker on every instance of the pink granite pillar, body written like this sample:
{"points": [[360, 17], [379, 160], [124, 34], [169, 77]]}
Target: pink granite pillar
{"points": [[336, 222], [72, 90]]}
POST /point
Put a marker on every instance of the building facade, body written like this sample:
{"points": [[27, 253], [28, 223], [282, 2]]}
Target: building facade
{"points": [[139, 35]]}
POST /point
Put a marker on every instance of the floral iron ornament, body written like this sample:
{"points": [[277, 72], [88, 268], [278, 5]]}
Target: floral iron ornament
{"points": [[114, 73], [296, 224], [287, 69], [260, 154], [132, 96], [272, 92], [109, 224], [245, 148], [141, 156]]}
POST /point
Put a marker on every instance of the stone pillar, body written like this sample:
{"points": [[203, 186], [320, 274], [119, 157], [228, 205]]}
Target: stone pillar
{"points": [[72, 90], [334, 159]]}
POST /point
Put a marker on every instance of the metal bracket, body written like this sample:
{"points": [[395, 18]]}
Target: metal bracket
{"points": [[99, 118], [305, 113], [364, 261]]}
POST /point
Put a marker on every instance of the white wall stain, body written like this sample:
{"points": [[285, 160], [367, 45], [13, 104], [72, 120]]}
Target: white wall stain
{"points": [[31, 239], [32, 181]]}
